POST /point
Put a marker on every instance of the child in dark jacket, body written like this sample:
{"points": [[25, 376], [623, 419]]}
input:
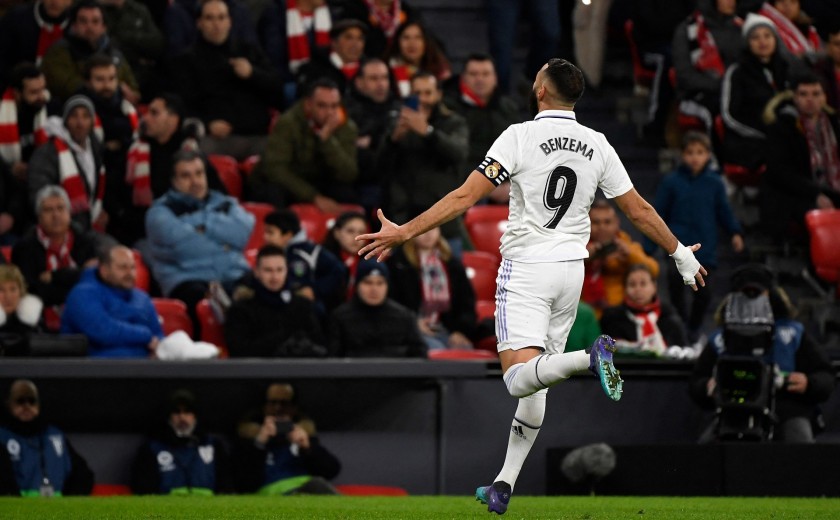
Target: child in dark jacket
{"points": [[692, 201]]}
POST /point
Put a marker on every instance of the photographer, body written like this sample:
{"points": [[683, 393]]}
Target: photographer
{"points": [[807, 375], [280, 453]]}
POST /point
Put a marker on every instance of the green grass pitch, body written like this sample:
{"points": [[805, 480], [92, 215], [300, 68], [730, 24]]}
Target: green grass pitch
{"points": [[418, 507]]}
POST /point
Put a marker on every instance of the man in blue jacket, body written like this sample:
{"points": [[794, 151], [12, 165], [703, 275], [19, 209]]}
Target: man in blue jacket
{"points": [[196, 235], [118, 319]]}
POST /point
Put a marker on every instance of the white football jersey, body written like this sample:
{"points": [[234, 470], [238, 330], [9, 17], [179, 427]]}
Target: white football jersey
{"points": [[555, 166]]}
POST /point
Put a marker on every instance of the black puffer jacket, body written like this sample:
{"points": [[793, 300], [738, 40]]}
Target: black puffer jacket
{"points": [[388, 330]]}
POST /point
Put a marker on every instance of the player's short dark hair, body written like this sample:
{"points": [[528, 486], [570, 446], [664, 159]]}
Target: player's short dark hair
{"points": [[85, 4], [695, 137], [270, 250], [21, 72], [477, 56], [285, 220], [424, 74], [567, 79], [325, 83], [807, 78], [185, 156], [97, 61]]}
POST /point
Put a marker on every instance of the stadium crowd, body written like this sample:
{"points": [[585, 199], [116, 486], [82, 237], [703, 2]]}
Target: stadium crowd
{"points": [[224, 154]]}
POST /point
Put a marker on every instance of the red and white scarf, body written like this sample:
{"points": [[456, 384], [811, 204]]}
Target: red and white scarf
{"points": [[469, 97], [298, 41], [128, 111], [386, 19], [435, 283], [48, 35], [648, 336], [403, 72], [138, 170], [10, 149], [704, 52], [73, 183], [348, 69], [822, 145], [58, 255], [796, 42]]}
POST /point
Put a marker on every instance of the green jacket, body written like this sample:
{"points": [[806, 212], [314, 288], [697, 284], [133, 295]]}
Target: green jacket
{"points": [[134, 31], [301, 163], [585, 329]]}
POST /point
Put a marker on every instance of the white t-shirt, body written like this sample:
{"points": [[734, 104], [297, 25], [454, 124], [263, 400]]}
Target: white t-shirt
{"points": [[555, 166]]}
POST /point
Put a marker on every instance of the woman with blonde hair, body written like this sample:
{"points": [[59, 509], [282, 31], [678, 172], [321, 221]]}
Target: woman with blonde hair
{"points": [[20, 313]]}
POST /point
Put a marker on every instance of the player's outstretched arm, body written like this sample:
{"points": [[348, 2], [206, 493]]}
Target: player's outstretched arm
{"points": [[453, 204], [647, 220]]}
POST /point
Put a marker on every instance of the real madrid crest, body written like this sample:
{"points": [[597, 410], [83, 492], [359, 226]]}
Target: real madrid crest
{"points": [[492, 171]]}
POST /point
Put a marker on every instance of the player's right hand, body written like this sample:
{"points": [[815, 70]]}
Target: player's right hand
{"points": [[689, 268]]}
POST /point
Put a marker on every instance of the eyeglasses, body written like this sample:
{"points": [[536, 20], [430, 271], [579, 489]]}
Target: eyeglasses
{"points": [[31, 401]]}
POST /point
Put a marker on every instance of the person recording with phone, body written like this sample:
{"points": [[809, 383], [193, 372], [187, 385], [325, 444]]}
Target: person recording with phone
{"points": [[611, 254], [280, 453]]}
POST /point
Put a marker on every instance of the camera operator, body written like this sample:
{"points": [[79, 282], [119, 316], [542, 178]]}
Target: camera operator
{"points": [[808, 378], [280, 453]]}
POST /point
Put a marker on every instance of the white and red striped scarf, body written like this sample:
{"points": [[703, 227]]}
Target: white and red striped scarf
{"points": [[73, 183], [10, 149], [348, 69], [645, 317], [58, 255], [796, 42], [386, 19], [435, 283], [48, 35], [469, 97], [298, 41], [403, 72], [704, 52], [138, 170], [128, 111], [823, 150]]}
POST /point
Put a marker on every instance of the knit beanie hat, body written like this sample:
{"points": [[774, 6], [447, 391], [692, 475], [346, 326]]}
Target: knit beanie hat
{"points": [[756, 20], [371, 268], [77, 101]]}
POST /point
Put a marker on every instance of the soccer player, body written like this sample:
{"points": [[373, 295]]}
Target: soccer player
{"points": [[555, 166]]}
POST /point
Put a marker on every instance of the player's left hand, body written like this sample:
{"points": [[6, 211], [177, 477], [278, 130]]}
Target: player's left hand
{"points": [[383, 241]]}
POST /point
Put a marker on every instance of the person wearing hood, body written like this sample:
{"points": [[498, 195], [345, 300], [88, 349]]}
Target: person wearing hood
{"points": [[36, 458], [371, 324], [73, 159], [704, 45], [20, 313], [180, 458], [269, 320], [107, 307], [87, 35], [762, 71]]}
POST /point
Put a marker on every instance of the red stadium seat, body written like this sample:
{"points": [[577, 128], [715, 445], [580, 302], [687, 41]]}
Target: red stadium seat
{"points": [[482, 269], [173, 315], [641, 75], [824, 229], [485, 309], [462, 355], [228, 170], [211, 330], [488, 212], [110, 490], [317, 223], [259, 210], [251, 256], [246, 167], [6, 251], [143, 276], [485, 225], [367, 490]]}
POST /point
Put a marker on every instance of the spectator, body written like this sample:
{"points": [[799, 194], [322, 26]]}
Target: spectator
{"points": [[643, 324], [179, 25], [135, 33], [37, 459], [748, 86], [704, 45], [179, 457], [280, 453], [347, 45], [371, 104], [20, 313], [149, 168], [692, 201], [414, 50], [23, 114], [229, 84], [611, 253], [793, 27], [341, 241], [52, 256], [808, 376], [430, 281], [422, 159], [585, 329], [311, 153], [829, 68], [488, 113], [12, 206], [384, 18], [87, 35], [314, 273], [196, 235], [371, 324], [803, 160], [29, 30], [269, 320], [107, 307]]}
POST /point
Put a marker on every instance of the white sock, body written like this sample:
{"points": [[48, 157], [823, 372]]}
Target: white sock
{"points": [[543, 371], [523, 433]]}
